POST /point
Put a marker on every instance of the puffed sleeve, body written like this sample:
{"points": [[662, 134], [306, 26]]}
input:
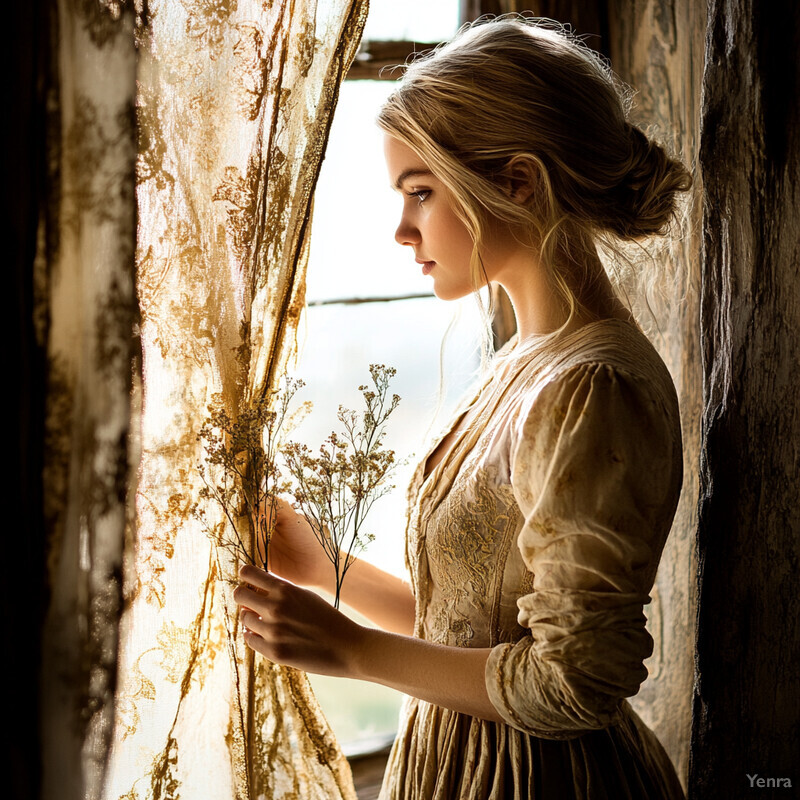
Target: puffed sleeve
{"points": [[595, 469]]}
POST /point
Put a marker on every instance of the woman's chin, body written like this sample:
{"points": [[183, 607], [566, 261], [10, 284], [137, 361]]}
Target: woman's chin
{"points": [[451, 292]]}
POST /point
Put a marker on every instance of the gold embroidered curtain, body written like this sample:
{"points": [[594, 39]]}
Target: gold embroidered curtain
{"points": [[233, 100]]}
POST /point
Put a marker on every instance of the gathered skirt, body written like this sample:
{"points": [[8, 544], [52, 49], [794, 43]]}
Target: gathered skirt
{"points": [[444, 755]]}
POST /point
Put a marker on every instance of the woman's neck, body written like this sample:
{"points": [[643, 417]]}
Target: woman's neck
{"points": [[540, 307]]}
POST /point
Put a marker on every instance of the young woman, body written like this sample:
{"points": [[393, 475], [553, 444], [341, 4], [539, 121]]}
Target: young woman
{"points": [[537, 521]]}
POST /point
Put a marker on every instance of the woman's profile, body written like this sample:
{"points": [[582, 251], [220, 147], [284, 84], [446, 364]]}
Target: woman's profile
{"points": [[537, 520]]}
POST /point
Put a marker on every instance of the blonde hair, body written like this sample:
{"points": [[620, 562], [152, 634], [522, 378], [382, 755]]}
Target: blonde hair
{"points": [[528, 90]]}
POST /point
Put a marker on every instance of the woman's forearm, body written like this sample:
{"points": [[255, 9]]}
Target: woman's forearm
{"points": [[452, 677], [381, 597]]}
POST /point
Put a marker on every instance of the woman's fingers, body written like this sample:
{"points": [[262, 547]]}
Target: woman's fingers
{"points": [[291, 625], [250, 599], [259, 591], [258, 577], [262, 601], [271, 596], [253, 622]]}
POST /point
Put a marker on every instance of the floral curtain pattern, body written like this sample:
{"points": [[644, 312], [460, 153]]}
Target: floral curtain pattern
{"points": [[228, 105], [234, 105]]}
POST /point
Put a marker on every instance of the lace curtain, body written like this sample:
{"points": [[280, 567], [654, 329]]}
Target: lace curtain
{"points": [[233, 100]]}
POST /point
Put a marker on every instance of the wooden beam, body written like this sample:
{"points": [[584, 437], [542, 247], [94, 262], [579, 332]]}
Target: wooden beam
{"points": [[383, 61]]}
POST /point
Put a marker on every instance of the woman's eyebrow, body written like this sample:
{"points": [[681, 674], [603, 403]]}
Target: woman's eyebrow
{"points": [[408, 173]]}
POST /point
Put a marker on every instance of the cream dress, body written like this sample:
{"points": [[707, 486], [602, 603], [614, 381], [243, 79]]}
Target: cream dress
{"points": [[538, 535]]}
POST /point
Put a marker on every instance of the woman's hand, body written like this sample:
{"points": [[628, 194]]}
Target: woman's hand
{"points": [[294, 551], [296, 554], [293, 626]]}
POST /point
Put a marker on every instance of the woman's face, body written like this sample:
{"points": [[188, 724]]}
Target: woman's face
{"points": [[440, 240]]}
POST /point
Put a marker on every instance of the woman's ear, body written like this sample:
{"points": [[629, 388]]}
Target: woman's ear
{"points": [[521, 179]]}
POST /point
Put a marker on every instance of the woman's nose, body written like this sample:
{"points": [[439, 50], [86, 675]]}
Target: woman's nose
{"points": [[406, 233]]}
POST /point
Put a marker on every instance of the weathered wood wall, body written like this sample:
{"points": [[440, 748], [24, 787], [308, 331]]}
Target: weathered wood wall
{"points": [[657, 47], [747, 691]]}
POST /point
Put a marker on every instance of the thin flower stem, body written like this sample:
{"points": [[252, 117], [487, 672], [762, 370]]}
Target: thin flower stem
{"points": [[340, 484]]}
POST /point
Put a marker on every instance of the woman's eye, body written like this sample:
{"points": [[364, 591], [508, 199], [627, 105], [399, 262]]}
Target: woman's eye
{"points": [[421, 194]]}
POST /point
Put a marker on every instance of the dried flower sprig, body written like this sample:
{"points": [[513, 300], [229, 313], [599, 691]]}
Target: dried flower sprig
{"points": [[241, 472], [337, 488]]}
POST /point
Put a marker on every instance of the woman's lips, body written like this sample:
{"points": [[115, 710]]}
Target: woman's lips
{"points": [[427, 266]]}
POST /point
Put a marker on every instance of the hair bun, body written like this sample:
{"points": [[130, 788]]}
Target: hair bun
{"points": [[512, 88], [645, 198]]}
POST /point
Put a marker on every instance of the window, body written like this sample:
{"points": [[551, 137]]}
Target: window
{"points": [[368, 302]]}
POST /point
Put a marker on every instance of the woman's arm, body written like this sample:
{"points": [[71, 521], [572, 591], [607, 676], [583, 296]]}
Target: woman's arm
{"points": [[296, 555], [595, 469], [293, 626], [451, 677], [381, 597]]}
